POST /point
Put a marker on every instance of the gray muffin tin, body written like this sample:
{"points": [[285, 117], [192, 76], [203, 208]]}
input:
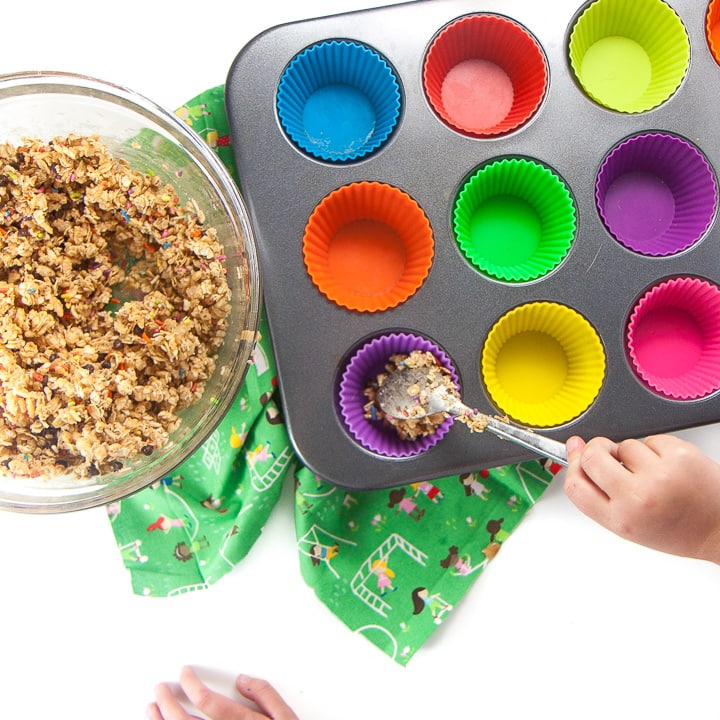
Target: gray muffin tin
{"points": [[312, 337]]}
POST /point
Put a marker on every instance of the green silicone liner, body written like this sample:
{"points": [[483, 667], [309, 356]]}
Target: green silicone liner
{"points": [[514, 220]]}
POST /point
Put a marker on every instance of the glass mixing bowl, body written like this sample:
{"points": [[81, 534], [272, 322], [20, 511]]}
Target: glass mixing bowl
{"points": [[49, 104]]}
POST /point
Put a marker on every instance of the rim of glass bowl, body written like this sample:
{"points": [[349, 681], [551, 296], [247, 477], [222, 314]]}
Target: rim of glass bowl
{"points": [[129, 480]]}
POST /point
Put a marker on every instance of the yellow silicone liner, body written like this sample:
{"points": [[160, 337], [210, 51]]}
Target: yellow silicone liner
{"points": [[543, 364]]}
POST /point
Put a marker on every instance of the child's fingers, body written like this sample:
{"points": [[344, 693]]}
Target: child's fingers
{"points": [[153, 712], [587, 497], [600, 462], [166, 705], [211, 703], [264, 695]]}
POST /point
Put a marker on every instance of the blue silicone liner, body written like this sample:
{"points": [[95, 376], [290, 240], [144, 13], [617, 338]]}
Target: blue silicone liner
{"points": [[338, 101]]}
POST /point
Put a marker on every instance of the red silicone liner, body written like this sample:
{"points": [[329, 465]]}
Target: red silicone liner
{"points": [[485, 75]]}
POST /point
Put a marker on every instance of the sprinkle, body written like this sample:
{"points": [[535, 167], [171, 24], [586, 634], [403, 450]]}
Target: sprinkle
{"points": [[125, 216]]}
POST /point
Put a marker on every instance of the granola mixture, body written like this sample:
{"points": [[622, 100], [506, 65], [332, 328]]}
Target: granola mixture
{"points": [[417, 424], [113, 302], [410, 428]]}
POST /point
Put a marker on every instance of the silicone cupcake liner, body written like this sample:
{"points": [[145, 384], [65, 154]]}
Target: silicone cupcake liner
{"points": [[514, 220], [485, 75], [368, 246], [656, 194], [673, 338], [338, 101], [629, 56], [364, 365], [712, 29], [543, 364]]}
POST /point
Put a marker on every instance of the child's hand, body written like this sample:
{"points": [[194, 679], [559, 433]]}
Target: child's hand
{"points": [[663, 493], [219, 707]]}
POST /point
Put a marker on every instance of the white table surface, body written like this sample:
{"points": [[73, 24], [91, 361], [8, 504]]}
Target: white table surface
{"points": [[570, 620]]}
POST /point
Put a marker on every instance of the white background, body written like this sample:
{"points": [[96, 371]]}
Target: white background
{"points": [[570, 621]]}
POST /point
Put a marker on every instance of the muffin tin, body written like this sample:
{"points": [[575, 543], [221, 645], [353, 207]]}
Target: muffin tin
{"points": [[528, 190]]}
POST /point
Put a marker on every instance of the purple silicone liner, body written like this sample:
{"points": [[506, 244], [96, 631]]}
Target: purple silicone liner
{"points": [[365, 364], [656, 194]]}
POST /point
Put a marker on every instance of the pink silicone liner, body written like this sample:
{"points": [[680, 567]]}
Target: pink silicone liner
{"points": [[673, 338]]}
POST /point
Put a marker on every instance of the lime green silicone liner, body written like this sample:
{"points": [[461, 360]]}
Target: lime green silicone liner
{"points": [[629, 56]]}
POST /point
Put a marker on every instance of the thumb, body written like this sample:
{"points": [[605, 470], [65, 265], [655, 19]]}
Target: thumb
{"points": [[574, 446]]}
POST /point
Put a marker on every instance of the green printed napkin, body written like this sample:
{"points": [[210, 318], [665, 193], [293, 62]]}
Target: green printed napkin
{"points": [[368, 555], [191, 528], [393, 564]]}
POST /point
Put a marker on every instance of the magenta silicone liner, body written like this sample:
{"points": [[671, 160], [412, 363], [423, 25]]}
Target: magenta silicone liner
{"points": [[673, 338], [365, 365]]}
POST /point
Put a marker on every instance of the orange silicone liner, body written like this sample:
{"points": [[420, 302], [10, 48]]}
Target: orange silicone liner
{"points": [[712, 29], [368, 246]]}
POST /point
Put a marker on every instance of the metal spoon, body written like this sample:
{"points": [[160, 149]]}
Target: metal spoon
{"points": [[409, 393]]}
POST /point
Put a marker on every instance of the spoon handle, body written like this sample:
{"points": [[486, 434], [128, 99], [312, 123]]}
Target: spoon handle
{"points": [[545, 446]]}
